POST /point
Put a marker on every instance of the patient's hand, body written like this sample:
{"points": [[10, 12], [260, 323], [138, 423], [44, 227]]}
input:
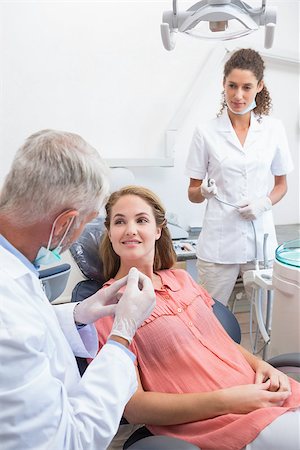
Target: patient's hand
{"points": [[278, 380], [249, 397]]}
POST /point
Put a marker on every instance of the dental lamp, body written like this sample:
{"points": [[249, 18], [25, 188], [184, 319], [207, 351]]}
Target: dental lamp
{"points": [[219, 20]]}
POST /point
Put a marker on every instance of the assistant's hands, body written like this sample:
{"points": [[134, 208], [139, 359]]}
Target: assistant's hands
{"points": [[208, 190], [252, 210], [136, 304]]}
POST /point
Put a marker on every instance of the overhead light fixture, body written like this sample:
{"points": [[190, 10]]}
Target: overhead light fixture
{"points": [[219, 20]]}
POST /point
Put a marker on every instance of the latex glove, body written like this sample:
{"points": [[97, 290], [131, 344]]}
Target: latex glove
{"points": [[135, 305], [208, 190], [100, 304], [252, 210]]}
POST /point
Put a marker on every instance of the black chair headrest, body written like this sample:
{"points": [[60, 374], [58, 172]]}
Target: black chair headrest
{"points": [[85, 250]]}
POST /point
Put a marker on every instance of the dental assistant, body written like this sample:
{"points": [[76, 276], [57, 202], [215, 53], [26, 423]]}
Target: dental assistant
{"points": [[56, 184], [239, 150]]}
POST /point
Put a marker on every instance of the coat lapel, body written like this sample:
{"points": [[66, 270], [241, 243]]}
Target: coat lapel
{"points": [[226, 129], [253, 133]]}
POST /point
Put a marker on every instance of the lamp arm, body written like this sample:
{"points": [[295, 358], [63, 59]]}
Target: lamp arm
{"points": [[253, 11], [175, 7]]}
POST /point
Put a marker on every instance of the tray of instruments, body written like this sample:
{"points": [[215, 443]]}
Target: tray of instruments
{"points": [[185, 249]]}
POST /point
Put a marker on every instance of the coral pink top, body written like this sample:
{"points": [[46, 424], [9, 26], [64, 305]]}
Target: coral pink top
{"points": [[182, 348]]}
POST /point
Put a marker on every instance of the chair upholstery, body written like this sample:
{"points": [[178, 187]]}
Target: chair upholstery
{"points": [[288, 363], [162, 443], [85, 250], [85, 289], [228, 320], [287, 359]]}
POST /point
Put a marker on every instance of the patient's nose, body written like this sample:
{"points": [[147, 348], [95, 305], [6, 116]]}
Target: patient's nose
{"points": [[131, 229]]}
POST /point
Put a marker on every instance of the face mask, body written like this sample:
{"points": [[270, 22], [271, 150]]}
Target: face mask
{"points": [[249, 108], [46, 256]]}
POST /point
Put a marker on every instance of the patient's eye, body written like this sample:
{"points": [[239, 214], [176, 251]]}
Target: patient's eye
{"points": [[119, 221], [142, 220]]}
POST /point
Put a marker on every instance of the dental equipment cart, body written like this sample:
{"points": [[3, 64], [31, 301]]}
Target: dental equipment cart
{"points": [[285, 336], [276, 299]]}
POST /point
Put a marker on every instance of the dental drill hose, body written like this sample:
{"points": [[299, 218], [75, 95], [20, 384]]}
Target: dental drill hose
{"points": [[211, 182], [256, 296]]}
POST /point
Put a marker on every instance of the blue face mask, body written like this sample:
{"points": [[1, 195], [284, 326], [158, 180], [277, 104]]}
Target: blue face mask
{"points": [[249, 108], [45, 256]]}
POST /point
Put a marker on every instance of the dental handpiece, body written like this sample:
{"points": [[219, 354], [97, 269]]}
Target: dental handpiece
{"points": [[211, 182]]}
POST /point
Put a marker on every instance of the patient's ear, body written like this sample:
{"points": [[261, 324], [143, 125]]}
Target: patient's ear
{"points": [[158, 233]]}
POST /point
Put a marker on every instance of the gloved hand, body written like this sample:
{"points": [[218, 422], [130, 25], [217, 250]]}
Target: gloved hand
{"points": [[100, 304], [252, 210], [208, 189], [135, 305]]}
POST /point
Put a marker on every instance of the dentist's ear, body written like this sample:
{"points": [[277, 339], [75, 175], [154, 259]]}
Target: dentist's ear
{"points": [[63, 220]]}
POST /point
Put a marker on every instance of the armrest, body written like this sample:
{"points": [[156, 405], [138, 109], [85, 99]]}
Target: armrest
{"points": [[52, 271], [286, 359], [288, 363], [162, 443], [55, 280]]}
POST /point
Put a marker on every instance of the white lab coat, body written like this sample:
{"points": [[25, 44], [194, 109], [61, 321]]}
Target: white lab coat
{"points": [[44, 404], [240, 173]]}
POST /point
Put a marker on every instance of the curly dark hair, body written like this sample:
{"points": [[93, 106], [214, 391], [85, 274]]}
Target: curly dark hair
{"points": [[249, 59]]}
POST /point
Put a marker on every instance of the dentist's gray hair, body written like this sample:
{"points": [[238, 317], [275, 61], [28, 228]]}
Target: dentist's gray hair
{"points": [[54, 171]]}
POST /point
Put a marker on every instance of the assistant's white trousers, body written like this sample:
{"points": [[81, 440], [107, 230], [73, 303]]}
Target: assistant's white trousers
{"points": [[219, 279]]}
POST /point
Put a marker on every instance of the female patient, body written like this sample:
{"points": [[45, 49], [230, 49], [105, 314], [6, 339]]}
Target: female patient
{"points": [[195, 383]]}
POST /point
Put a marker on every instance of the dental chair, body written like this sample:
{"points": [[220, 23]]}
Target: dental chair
{"points": [[85, 253]]}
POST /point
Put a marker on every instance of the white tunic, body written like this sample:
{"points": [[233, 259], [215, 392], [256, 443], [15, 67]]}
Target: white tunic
{"points": [[44, 404], [240, 173]]}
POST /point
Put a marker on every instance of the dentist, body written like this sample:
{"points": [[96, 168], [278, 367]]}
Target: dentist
{"points": [[239, 149], [56, 184]]}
